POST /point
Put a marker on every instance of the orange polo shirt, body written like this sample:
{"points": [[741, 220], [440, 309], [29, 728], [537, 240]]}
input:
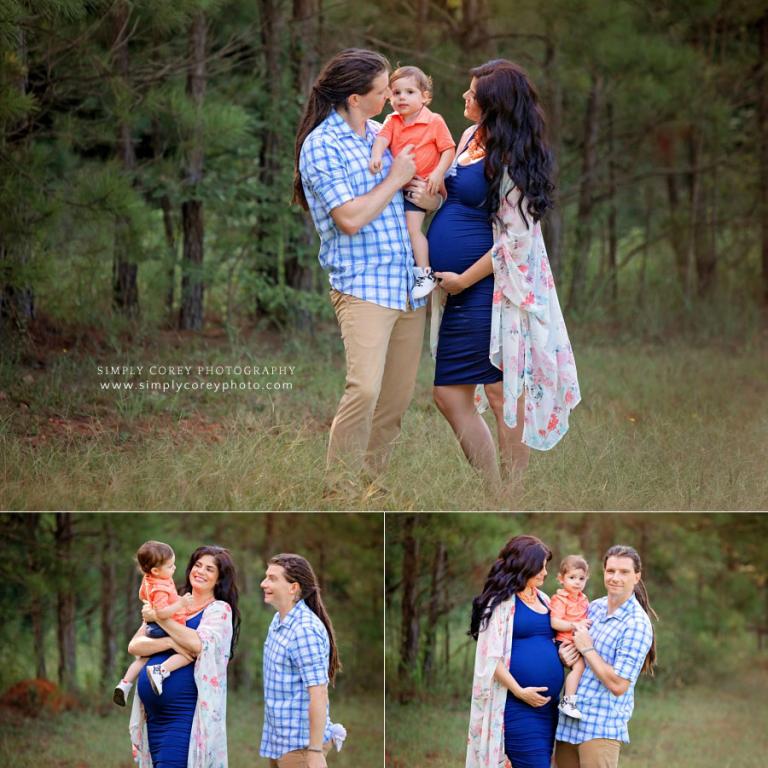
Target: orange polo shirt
{"points": [[563, 606], [160, 593], [428, 133]]}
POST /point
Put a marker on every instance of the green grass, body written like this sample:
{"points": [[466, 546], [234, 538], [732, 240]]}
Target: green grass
{"points": [[661, 427], [91, 740], [716, 726]]}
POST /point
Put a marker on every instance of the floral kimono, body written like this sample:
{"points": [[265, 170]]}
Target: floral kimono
{"points": [[485, 743], [208, 740], [529, 342]]}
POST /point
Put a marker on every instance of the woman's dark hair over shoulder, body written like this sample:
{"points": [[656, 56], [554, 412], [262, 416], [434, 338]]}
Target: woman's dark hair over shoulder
{"points": [[512, 131], [226, 585], [521, 558], [350, 71]]}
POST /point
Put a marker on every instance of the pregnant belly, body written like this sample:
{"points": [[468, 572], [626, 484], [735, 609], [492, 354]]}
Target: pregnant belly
{"points": [[535, 663], [457, 241]]}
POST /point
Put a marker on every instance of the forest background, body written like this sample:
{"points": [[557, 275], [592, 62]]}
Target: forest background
{"points": [[146, 155], [70, 594], [706, 578]]}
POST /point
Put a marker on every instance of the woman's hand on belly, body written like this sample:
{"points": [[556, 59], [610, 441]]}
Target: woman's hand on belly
{"points": [[532, 697], [450, 282]]}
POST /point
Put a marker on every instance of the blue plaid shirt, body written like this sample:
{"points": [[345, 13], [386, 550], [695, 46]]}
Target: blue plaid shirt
{"points": [[623, 640], [376, 264], [296, 656]]}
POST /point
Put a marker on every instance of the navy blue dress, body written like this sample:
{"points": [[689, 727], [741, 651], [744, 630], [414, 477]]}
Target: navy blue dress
{"points": [[529, 732], [169, 717], [459, 235]]}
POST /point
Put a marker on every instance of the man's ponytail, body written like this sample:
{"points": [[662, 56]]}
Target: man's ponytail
{"points": [[350, 71]]}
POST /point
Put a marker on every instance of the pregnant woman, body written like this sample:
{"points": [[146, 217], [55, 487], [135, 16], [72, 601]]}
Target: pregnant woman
{"points": [[518, 673], [185, 725], [502, 326]]}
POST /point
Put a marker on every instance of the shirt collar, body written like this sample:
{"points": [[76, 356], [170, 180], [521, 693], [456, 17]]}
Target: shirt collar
{"points": [[565, 594], [291, 616], [423, 117], [339, 126], [622, 612]]}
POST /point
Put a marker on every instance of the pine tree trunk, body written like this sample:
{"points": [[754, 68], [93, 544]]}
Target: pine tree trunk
{"points": [[36, 604], [583, 238], [169, 229], [613, 238], [409, 626], [695, 208], [108, 598], [435, 609], [305, 50], [473, 31], [65, 602], [762, 118], [17, 299], [191, 314], [132, 616], [553, 222], [125, 289]]}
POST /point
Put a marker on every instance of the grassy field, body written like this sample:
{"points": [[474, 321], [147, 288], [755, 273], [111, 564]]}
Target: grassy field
{"points": [[661, 426], [707, 727], [90, 740]]}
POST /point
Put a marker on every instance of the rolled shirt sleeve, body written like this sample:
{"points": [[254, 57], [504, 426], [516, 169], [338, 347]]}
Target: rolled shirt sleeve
{"points": [[632, 649], [310, 655], [324, 172]]}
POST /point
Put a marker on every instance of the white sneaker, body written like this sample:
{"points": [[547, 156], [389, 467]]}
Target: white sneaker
{"points": [[122, 689], [425, 282], [156, 677], [568, 707]]}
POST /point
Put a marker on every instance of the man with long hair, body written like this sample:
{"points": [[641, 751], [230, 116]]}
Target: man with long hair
{"points": [[365, 248], [300, 659], [619, 645]]}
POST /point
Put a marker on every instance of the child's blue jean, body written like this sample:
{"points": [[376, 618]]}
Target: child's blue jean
{"points": [[155, 630]]}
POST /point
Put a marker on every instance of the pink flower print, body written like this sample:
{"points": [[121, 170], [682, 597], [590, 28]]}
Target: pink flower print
{"points": [[553, 422], [523, 268], [497, 295], [543, 432], [528, 300], [214, 682], [569, 397]]}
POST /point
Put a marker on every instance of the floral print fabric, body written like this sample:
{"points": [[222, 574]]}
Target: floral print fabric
{"points": [[208, 739], [529, 341]]}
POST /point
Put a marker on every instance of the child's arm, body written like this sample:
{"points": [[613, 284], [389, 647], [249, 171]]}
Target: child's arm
{"points": [[435, 179], [561, 625], [167, 611], [379, 145]]}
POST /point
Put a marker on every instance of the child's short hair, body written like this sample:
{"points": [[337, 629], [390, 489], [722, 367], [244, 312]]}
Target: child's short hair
{"points": [[423, 81], [572, 563], [152, 554]]}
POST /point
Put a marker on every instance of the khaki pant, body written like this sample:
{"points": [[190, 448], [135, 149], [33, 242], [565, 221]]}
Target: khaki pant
{"points": [[595, 753], [383, 349], [296, 758]]}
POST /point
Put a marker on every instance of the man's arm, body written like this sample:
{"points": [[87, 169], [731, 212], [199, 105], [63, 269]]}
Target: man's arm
{"points": [[353, 215], [604, 672], [318, 713]]}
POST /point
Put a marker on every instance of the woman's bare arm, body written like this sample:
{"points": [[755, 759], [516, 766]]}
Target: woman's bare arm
{"points": [[185, 639], [141, 645]]}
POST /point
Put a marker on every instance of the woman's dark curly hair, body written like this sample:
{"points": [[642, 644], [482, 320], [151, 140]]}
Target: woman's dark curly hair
{"points": [[512, 132], [226, 584], [521, 558]]}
